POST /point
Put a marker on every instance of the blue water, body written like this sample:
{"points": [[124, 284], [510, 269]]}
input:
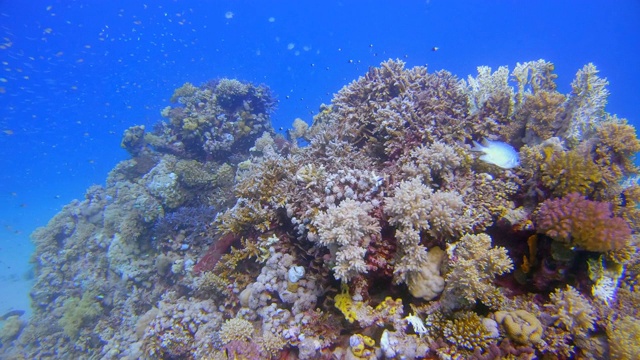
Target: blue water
{"points": [[75, 74]]}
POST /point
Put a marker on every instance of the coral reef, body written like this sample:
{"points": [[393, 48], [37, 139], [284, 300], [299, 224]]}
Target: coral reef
{"points": [[376, 232]]}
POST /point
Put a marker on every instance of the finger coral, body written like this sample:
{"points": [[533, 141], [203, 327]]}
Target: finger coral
{"points": [[579, 222]]}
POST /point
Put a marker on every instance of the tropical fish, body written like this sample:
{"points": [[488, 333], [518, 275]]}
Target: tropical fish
{"points": [[498, 153]]}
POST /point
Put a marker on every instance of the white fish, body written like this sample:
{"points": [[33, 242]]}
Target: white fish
{"points": [[498, 153]]}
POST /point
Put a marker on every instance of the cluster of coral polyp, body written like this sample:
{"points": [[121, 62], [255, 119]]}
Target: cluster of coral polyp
{"points": [[385, 237]]}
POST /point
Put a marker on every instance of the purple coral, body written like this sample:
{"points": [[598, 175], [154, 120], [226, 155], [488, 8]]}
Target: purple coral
{"points": [[587, 224]]}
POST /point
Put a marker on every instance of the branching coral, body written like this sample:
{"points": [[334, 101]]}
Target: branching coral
{"points": [[216, 119], [572, 311], [348, 229], [586, 104], [256, 223], [616, 149], [565, 172], [538, 75], [474, 264], [442, 214], [435, 163], [236, 329], [587, 224], [487, 86], [468, 331], [542, 113]]}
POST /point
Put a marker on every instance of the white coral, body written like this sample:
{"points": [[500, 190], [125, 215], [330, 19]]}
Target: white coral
{"points": [[349, 228]]}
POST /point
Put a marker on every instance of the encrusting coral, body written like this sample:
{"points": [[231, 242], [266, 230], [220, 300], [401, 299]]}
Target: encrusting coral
{"points": [[375, 232]]}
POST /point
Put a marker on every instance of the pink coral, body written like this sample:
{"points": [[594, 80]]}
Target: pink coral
{"points": [[587, 224]]}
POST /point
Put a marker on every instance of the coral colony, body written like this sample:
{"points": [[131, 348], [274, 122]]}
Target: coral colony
{"points": [[428, 217]]}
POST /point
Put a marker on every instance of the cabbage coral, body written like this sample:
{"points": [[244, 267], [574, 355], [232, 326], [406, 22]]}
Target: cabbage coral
{"points": [[587, 224]]}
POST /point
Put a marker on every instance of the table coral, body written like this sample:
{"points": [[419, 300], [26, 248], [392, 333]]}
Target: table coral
{"points": [[587, 224]]}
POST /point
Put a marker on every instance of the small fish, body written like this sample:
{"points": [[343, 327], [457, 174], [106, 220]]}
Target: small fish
{"points": [[498, 153]]}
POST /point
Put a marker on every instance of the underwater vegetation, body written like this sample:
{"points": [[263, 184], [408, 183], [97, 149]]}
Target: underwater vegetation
{"points": [[389, 236]]}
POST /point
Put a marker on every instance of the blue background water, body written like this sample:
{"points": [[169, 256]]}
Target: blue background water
{"points": [[75, 74]]}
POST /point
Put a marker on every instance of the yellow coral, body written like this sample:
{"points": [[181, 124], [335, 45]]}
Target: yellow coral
{"points": [[361, 346], [364, 313], [566, 172], [344, 303], [467, 331], [521, 326]]}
